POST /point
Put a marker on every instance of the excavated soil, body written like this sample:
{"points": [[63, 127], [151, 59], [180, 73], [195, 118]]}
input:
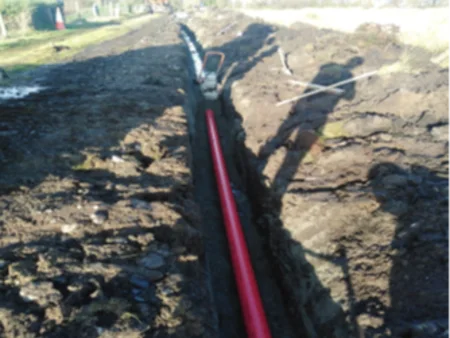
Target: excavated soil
{"points": [[350, 191], [99, 231], [110, 223]]}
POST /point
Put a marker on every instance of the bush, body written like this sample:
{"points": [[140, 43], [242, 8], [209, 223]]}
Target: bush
{"points": [[12, 8]]}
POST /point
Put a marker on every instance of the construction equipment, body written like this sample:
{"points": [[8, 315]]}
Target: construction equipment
{"points": [[207, 79]]}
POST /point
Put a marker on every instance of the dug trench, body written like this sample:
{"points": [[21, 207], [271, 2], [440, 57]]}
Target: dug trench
{"points": [[288, 312], [345, 206]]}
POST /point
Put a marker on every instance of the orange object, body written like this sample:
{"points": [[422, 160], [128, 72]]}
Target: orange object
{"points": [[252, 309], [59, 20]]}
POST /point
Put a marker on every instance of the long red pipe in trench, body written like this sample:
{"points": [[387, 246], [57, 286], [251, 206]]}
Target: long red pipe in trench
{"points": [[252, 309]]}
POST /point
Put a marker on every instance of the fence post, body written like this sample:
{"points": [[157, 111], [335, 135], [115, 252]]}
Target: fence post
{"points": [[3, 31]]}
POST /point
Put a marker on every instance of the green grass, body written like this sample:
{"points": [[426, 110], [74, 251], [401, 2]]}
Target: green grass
{"points": [[332, 130], [36, 49]]}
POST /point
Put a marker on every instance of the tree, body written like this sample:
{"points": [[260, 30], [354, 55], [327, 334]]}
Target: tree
{"points": [[3, 31]]}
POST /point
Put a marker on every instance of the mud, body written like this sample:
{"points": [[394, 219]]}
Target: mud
{"points": [[349, 191], [100, 232], [110, 220]]}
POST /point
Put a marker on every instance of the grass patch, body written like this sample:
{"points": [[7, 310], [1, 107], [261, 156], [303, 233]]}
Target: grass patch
{"points": [[312, 16], [410, 61], [36, 49], [332, 130], [89, 163]]}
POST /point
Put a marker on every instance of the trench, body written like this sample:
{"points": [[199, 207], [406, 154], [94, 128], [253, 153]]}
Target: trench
{"points": [[228, 317]]}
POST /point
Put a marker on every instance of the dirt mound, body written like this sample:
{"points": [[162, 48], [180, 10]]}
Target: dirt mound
{"points": [[384, 31], [346, 236], [99, 230]]}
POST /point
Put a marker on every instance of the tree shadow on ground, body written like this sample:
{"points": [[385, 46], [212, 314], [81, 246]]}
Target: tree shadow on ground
{"points": [[418, 283]]}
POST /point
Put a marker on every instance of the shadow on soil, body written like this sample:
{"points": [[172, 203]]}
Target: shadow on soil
{"points": [[78, 294], [418, 199], [301, 290], [69, 133]]}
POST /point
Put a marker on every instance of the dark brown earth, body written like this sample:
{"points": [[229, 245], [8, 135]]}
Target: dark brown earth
{"points": [[110, 222], [99, 230], [351, 191]]}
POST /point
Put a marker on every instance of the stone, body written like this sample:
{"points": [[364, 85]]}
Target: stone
{"points": [[42, 293], [68, 228], [99, 217], [440, 132], [117, 240], [139, 299], [140, 204], [117, 159], [152, 261], [154, 275], [368, 125], [139, 282]]}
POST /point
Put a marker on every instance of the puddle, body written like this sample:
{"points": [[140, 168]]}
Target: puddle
{"points": [[18, 92]]}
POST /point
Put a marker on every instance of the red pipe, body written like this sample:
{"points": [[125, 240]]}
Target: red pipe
{"points": [[254, 317]]}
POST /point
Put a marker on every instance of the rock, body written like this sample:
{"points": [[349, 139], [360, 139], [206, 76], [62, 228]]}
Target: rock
{"points": [[68, 228], [385, 137], [440, 132], [139, 282], [42, 293], [417, 147], [154, 275], [367, 320], [22, 272], [117, 159], [143, 239], [3, 264], [99, 217], [367, 125], [140, 204], [139, 299], [117, 240], [152, 261]]}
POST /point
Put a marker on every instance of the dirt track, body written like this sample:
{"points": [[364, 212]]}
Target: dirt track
{"points": [[343, 199]]}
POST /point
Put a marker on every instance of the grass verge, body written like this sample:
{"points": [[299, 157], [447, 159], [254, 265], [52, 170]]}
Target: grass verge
{"points": [[36, 49]]}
